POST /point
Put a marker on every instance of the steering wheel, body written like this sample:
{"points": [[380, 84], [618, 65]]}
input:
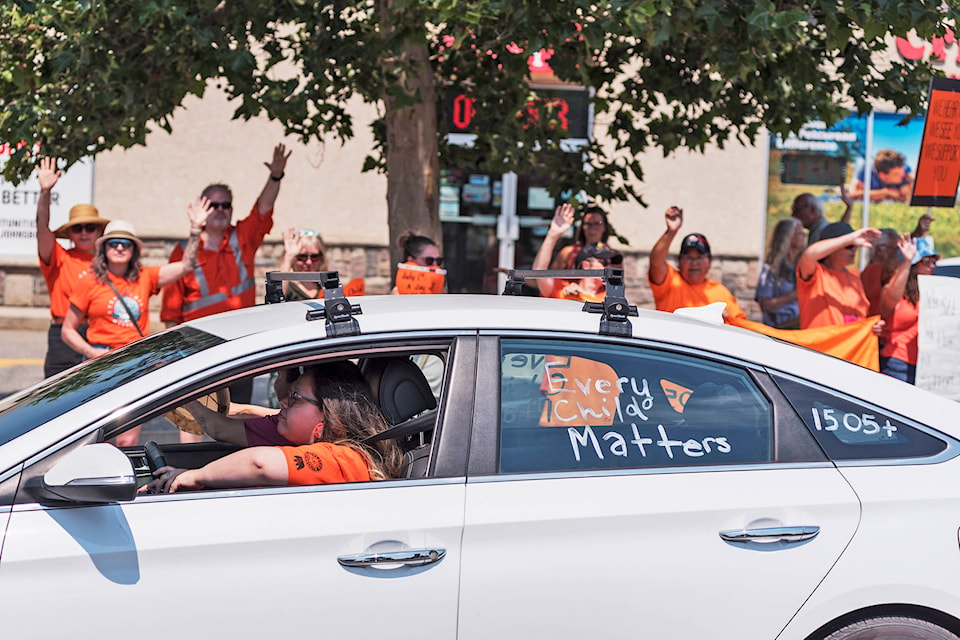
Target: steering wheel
{"points": [[155, 457]]}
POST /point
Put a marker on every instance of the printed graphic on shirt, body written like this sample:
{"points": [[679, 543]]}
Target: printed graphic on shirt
{"points": [[118, 313]]}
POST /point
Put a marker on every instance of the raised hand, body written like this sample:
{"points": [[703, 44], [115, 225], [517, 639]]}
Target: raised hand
{"points": [[291, 241], [279, 161], [198, 211], [674, 218], [908, 247], [47, 173], [562, 219]]}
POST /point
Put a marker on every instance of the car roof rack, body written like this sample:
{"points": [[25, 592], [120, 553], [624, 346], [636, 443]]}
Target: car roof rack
{"points": [[615, 309], [338, 311]]}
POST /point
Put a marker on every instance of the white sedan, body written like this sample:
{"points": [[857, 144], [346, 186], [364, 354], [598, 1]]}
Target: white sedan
{"points": [[569, 474]]}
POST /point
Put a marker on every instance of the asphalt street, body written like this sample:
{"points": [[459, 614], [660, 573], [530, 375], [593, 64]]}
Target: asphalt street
{"points": [[21, 359]]}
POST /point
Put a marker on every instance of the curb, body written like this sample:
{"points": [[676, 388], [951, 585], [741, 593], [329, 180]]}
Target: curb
{"points": [[24, 318]]}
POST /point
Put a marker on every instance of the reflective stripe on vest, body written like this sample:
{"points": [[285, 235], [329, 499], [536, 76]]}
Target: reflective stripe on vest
{"points": [[206, 299]]}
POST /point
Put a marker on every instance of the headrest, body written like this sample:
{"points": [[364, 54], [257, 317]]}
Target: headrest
{"points": [[399, 386]]}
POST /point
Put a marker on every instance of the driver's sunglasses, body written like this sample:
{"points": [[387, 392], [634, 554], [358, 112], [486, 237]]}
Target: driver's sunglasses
{"points": [[89, 227], [221, 205], [433, 261], [293, 397]]}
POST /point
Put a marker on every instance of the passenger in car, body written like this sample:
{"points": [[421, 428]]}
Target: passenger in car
{"points": [[329, 413], [245, 425]]}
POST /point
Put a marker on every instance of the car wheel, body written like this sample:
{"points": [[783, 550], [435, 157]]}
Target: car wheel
{"points": [[891, 628]]}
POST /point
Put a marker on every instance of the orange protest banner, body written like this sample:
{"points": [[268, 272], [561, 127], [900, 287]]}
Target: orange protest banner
{"points": [[413, 279], [853, 342], [938, 169]]}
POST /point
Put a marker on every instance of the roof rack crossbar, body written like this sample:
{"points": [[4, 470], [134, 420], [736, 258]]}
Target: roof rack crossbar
{"points": [[338, 311], [615, 309]]}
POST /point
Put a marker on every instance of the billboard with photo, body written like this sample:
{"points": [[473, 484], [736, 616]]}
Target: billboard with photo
{"points": [[878, 154]]}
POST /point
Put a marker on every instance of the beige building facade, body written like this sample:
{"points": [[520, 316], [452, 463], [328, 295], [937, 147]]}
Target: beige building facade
{"points": [[722, 194]]}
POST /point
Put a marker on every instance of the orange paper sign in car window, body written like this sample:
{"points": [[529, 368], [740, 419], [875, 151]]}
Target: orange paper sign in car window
{"points": [[677, 394], [412, 278], [578, 392]]}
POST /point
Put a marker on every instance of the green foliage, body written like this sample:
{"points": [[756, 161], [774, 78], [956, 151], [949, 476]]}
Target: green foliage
{"points": [[80, 77]]}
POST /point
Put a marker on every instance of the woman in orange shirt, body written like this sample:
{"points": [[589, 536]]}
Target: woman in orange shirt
{"points": [[827, 291], [329, 413], [899, 307], [590, 256]]}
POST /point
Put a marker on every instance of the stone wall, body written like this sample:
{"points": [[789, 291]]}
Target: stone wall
{"points": [[23, 286]]}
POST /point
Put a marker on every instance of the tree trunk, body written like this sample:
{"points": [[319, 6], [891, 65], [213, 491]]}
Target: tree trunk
{"points": [[413, 183]]}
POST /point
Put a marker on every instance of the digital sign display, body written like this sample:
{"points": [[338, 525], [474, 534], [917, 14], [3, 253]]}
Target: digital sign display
{"points": [[572, 109]]}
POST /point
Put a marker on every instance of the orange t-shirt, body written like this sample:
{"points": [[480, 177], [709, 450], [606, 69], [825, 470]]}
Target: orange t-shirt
{"points": [[831, 296], [219, 266], [61, 275], [559, 285], [110, 325], [902, 332], [324, 463], [871, 279], [675, 293]]}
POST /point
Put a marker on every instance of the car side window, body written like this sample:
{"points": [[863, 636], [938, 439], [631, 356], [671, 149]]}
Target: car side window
{"points": [[564, 408], [848, 430]]}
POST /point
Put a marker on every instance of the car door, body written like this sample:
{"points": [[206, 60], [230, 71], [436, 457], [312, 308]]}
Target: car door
{"points": [[351, 560], [614, 502]]}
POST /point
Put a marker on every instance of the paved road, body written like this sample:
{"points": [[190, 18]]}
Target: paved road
{"points": [[21, 359]]}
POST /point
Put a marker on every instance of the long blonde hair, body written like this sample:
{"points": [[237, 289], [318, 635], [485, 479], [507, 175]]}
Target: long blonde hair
{"points": [[351, 416], [779, 249]]}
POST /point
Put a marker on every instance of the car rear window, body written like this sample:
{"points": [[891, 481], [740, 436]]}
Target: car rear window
{"points": [[96, 377], [850, 430]]}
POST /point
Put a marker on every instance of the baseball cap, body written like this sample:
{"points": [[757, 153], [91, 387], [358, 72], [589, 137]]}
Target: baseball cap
{"points": [[598, 250], [695, 241], [835, 230]]}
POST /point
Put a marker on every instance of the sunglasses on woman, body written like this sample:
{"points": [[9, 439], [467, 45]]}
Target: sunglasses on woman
{"points": [[315, 257], [89, 227], [119, 243], [432, 261], [929, 260]]}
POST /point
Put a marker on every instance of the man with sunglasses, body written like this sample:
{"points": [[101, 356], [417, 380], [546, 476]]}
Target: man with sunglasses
{"points": [[61, 267], [224, 277], [689, 285], [829, 293]]}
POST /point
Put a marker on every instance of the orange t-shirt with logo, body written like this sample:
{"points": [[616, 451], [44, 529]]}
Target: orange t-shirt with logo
{"points": [[110, 324], [61, 275], [831, 296], [324, 463], [676, 293]]}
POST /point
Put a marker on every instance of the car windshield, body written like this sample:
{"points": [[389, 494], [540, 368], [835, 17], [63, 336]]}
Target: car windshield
{"points": [[96, 377]]}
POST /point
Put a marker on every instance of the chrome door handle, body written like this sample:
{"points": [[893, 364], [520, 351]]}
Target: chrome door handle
{"points": [[771, 534], [410, 558]]}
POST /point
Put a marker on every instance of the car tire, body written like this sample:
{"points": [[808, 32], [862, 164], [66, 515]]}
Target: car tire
{"points": [[891, 628]]}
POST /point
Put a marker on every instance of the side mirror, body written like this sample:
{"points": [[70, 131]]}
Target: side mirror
{"points": [[95, 473]]}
